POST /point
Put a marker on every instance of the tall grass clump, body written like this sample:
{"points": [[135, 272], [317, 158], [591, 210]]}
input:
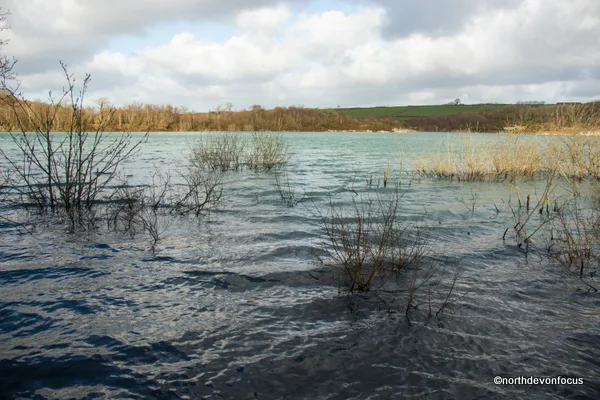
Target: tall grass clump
{"points": [[465, 160], [577, 157], [512, 158]]}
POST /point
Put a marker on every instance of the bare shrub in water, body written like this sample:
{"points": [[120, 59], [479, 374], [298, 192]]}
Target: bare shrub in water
{"points": [[4, 194], [570, 222], [202, 190], [531, 215], [289, 195], [136, 209], [268, 150], [575, 235], [369, 244], [372, 250], [223, 151], [64, 173], [231, 151]]}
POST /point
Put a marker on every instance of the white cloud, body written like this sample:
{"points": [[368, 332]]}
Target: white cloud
{"points": [[106, 62], [265, 20], [333, 30], [505, 50], [239, 58]]}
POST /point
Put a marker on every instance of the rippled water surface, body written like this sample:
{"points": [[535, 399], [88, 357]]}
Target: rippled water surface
{"points": [[236, 305]]}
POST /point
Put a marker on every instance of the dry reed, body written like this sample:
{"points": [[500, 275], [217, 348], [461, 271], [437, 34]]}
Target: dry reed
{"points": [[574, 157]]}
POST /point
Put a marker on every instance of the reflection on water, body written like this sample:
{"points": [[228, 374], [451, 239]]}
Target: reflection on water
{"points": [[236, 306]]}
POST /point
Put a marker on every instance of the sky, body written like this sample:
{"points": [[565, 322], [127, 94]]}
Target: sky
{"points": [[201, 54]]}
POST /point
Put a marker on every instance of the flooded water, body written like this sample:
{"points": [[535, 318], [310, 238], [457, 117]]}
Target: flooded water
{"points": [[236, 304]]}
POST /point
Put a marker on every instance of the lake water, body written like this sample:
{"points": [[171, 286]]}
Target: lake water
{"points": [[236, 304]]}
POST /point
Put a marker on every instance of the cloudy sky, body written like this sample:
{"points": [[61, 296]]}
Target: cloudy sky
{"points": [[201, 53]]}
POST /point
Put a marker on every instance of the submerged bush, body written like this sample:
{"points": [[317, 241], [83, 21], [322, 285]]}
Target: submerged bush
{"points": [[531, 214], [137, 209], [565, 219], [225, 151], [368, 243], [575, 234], [202, 190], [232, 151], [290, 197], [268, 150], [64, 173], [372, 250]]}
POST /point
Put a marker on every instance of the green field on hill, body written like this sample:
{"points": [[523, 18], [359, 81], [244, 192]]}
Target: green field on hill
{"points": [[418, 111]]}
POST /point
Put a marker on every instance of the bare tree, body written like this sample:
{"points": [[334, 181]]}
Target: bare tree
{"points": [[64, 172], [6, 75], [6, 63]]}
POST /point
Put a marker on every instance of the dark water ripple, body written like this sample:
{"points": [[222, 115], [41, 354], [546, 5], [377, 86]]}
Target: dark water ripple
{"points": [[238, 307]]}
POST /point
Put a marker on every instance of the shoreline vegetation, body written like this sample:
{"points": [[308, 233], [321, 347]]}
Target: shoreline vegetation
{"points": [[567, 118], [513, 157]]}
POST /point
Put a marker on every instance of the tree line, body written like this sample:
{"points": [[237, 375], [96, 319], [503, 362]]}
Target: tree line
{"points": [[521, 118], [149, 117]]}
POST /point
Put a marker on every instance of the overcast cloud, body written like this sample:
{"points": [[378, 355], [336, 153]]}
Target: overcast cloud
{"points": [[201, 53]]}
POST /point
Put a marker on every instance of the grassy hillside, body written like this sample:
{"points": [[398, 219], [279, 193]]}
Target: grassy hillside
{"points": [[563, 118], [405, 112]]}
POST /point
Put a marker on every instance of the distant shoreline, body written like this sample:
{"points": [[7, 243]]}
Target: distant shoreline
{"points": [[567, 132], [558, 119]]}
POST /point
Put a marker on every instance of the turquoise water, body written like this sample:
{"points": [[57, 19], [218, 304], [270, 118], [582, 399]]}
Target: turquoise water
{"points": [[236, 304]]}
